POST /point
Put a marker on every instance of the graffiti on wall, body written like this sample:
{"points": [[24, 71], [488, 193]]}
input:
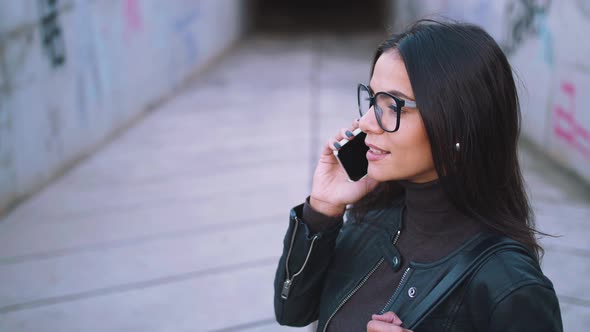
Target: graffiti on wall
{"points": [[526, 18], [51, 33], [132, 14], [565, 125]]}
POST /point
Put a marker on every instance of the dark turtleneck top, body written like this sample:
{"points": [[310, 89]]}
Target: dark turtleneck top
{"points": [[431, 229]]}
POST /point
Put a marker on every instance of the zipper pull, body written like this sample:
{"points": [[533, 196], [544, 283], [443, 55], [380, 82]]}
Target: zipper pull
{"points": [[286, 288]]}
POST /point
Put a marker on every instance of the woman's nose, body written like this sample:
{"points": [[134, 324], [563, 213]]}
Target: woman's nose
{"points": [[368, 122]]}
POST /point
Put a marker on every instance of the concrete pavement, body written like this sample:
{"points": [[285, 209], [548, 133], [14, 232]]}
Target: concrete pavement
{"points": [[177, 224]]}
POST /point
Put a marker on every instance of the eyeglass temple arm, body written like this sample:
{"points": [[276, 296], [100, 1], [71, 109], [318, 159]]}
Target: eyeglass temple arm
{"points": [[409, 103]]}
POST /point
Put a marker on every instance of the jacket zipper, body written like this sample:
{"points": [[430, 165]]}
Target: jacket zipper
{"points": [[352, 293], [399, 286], [360, 285], [287, 284], [399, 231]]}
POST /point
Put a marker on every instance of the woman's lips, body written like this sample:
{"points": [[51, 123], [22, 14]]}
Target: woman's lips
{"points": [[375, 154]]}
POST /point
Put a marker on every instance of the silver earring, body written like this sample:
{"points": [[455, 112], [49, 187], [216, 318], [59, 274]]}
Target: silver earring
{"points": [[457, 147]]}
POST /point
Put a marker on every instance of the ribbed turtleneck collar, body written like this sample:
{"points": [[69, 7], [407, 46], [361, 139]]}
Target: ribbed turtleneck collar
{"points": [[430, 211]]}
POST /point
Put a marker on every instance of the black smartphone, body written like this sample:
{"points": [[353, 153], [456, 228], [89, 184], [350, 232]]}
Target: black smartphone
{"points": [[353, 156]]}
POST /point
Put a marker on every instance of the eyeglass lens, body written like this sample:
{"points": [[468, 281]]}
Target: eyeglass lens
{"points": [[385, 107]]}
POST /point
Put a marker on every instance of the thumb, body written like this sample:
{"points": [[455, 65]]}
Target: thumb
{"points": [[388, 317]]}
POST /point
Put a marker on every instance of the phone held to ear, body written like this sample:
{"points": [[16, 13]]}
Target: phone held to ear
{"points": [[352, 156]]}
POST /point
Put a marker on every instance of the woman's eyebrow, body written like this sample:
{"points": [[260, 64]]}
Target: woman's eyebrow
{"points": [[395, 93]]}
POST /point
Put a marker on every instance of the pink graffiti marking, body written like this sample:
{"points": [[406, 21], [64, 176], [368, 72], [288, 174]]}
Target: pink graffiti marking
{"points": [[565, 125], [132, 16]]}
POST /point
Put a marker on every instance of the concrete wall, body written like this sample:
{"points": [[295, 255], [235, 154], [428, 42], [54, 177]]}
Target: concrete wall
{"points": [[548, 45], [73, 71]]}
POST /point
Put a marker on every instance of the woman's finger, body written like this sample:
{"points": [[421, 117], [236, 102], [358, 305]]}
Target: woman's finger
{"points": [[341, 134], [328, 148], [334, 143], [346, 133], [379, 326], [389, 317]]}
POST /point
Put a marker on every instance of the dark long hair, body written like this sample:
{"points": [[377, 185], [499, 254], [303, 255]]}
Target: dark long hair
{"points": [[466, 93]]}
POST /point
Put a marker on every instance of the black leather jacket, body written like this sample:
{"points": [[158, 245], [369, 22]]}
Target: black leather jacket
{"points": [[318, 273]]}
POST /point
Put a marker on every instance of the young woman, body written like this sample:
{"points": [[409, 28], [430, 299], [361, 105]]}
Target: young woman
{"points": [[442, 121]]}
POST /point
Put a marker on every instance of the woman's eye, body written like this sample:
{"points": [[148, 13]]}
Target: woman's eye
{"points": [[393, 107]]}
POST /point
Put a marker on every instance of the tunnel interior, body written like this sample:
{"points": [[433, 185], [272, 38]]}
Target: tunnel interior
{"points": [[320, 15]]}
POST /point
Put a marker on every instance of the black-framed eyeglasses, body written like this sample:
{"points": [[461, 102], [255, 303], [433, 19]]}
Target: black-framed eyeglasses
{"points": [[387, 107]]}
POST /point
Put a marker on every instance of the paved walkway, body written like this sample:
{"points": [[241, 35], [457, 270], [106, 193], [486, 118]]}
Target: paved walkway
{"points": [[178, 223]]}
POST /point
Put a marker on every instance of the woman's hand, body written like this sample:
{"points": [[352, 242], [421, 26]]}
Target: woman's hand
{"points": [[331, 191], [388, 322]]}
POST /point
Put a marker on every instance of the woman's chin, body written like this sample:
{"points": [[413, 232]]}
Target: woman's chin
{"points": [[378, 174], [384, 174]]}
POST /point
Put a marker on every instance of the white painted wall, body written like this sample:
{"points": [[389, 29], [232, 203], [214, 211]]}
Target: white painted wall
{"points": [[548, 44], [119, 56]]}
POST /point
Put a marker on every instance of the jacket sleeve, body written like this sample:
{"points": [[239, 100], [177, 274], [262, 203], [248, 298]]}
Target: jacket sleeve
{"points": [[301, 270], [533, 307]]}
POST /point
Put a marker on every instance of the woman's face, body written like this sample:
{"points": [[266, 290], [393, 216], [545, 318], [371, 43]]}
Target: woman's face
{"points": [[404, 154]]}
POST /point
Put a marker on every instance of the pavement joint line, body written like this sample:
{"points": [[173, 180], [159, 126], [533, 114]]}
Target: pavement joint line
{"points": [[574, 301], [174, 176], [240, 327], [145, 205], [187, 232], [139, 285]]}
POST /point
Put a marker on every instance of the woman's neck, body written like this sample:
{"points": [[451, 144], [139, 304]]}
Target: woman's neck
{"points": [[429, 209]]}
